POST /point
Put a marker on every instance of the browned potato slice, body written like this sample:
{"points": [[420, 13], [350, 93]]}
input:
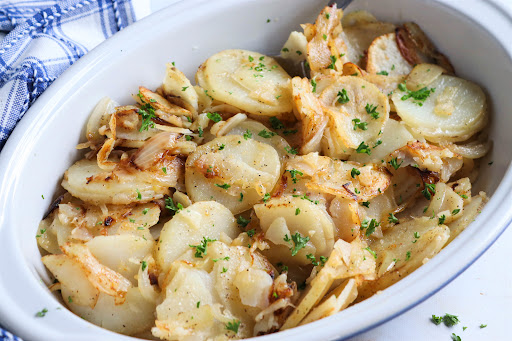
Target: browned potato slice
{"points": [[385, 57]]}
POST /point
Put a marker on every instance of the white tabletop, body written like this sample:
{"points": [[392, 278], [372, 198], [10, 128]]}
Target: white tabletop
{"points": [[481, 295]]}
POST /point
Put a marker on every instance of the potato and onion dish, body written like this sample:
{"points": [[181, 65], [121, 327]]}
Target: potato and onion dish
{"points": [[254, 201]]}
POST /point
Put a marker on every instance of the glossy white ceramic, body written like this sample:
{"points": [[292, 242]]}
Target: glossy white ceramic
{"points": [[477, 35]]}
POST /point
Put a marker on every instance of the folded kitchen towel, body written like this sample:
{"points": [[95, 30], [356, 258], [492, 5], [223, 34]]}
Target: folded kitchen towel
{"points": [[41, 39], [44, 38]]}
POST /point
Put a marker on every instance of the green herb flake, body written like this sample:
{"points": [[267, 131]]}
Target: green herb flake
{"points": [[247, 134], [201, 132], [233, 326], [358, 124], [164, 169], [429, 191], [369, 226], [394, 163], [297, 211], [313, 84], [437, 319], [145, 211], [324, 36], [223, 186], [383, 73], [456, 337], [354, 172], [275, 123], [371, 251], [285, 49], [169, 204], [290, 132], [363, 149], [441, 219], [214, 116], [266, 134], [450, 320], [184, 88], [293, 174], [201, 248], [333, 62], [312, 258], [372, 111], [144, 265], [408, 255], [392, 219], [482, 326], [139, 195], [343, 97], [266, 197], [418, 96], [42, 313], [241, 197], [224, 270], [299, 241], [251, 233], [291, 150]]}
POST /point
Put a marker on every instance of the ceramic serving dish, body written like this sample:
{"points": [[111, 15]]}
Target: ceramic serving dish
{"points": [[476, 35]]}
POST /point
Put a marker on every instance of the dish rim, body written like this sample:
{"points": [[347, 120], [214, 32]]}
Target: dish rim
{"points": [[498, 202]]}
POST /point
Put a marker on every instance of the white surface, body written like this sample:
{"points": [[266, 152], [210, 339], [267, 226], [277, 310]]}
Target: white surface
{"points": [[481, 295], [41, 147]]}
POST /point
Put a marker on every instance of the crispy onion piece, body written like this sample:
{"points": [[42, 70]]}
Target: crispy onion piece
{"points": [[435, 159], [158, 146], [100, 276], [334, 177], [108, 146], [309, 110]]}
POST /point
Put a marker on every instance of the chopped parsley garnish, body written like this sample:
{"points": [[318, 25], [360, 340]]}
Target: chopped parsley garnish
{"points": [[233, 326], [371, 251], [275, 123], [251, 59], [372, 111], [241, 197], [42, 313], [41, 232], [147, 112], [429, 191], [298, 52], [266, 197], [366, 204], [224, 270], [294, 173], [218, 259], [313, 84], [242, 221], [383, 73], [312, 258], [323, 260], [482, 326], [198, 304], [364, 149], [392, 219], [290, 132], [144, 265], [450, 320], [333, 62], [184, 88], [441, 219], [201, 132], [354, 172], [463, 196], [145, 211], [327, 15], [437, 319], [358, 124], [297, 211], [70, 299], [299, 241], [456, 337], [223, 186], [266, 134], [285, 49], [408, 255], [283, 267], [251, 233], [139, 196], [201, 248], [164, 169], [419, 96], [247, 134], [343, 97], [169, 204], [222, 146], [455, 211], [305, 197], [416, 235], [324, 37], [286, 238], [369, 226], [394, 163], [291, 150], [214, 116]]}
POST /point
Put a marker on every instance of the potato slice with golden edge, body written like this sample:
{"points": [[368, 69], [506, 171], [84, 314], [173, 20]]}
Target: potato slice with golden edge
{"points": [[135, 315], [359, 37], [403, 249], [446, 205], [339, 299], [386, 84], [322, 50], [423, 75], [190, 226], [385, 57], [295, 47], [233, 170], [309, 111], [468, 117], [122, 253], [345, 215], [262, 134], [428, 157], [287, 216], [161, 105], [323, 174], [471, 210], [98, 118], [394, 136], [248, 80], [346, 260], [179, 89], [101, 277], [123, 185], [357, 113], [72, 276]]}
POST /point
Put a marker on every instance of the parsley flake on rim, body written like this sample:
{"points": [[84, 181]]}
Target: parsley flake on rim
{"points": [[42, 313]]}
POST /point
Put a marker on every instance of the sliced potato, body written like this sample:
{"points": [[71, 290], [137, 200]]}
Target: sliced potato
{"points": [[385, 57], [295, 47], [423, 75], [177, 86], [468, 117], [471, 210], [190, 226], [237, 175], [357, 112], [248, 80]]}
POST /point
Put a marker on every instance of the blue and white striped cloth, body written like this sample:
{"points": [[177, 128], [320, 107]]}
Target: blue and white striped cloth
{"points": [[42, 39]]}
